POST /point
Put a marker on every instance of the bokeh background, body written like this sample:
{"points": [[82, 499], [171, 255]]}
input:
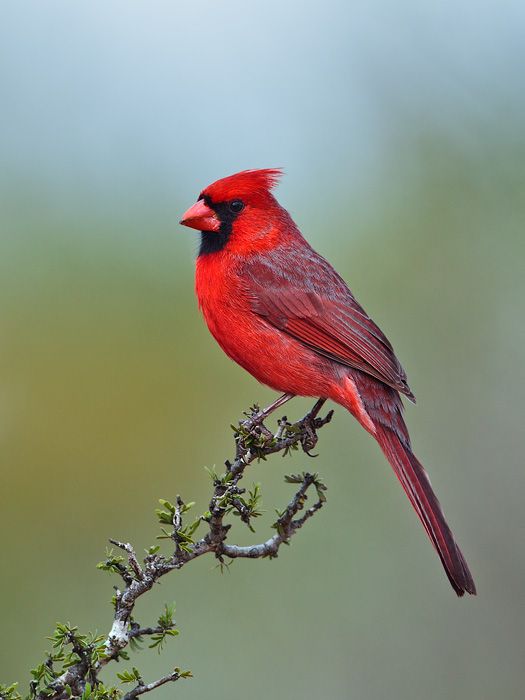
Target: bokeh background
{"points": [[401, 130]]}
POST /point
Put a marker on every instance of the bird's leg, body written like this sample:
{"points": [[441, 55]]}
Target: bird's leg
{"points": [[315, 410], [260, 416]]}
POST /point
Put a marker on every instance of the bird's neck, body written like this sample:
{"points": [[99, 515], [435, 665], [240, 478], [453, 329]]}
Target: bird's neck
{"points": [[213, 242]]}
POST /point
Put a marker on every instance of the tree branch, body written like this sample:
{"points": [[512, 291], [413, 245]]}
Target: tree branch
{"points": [[82, 658]]}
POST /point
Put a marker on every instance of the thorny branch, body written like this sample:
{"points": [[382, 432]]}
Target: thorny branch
{"points": [[253, 441]]}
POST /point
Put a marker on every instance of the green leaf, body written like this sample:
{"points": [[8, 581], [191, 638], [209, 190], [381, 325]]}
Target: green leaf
{"points": [[169, 506], [113, 562], [166, 619], [9, 692], [167, 626], [132, 676], [164, 516], [71, 660], [183, 537], [212, 473], [183, 674], [190, 529], [135, 643]]}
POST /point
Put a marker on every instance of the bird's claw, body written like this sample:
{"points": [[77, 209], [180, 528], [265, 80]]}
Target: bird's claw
{"points": [[309, 437], [303, 432], [309, 426]]}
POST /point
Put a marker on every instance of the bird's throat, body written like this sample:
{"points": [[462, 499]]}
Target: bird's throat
{"points": [[213, 241]]}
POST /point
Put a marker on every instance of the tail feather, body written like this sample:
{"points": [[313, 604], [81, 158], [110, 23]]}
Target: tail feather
{"points": [[416, 484]]}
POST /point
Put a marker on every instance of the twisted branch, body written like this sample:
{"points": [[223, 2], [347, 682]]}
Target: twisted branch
{"points": [[253, 441]]}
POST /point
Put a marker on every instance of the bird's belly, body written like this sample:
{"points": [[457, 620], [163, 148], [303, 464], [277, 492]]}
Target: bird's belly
{"points": [[268, 354]]}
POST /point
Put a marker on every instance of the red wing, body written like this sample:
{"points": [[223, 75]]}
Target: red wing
{"points": [[335, 328]]}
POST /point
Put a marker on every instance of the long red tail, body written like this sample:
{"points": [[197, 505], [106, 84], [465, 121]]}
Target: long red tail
{"points": [[416, 484]]}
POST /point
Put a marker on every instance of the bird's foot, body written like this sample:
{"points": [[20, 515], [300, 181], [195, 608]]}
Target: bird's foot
{"points": [[310, 424], [254, 436]]}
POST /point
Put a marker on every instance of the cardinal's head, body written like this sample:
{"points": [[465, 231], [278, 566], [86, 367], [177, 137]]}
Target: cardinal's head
{"points": [[238, 213]]}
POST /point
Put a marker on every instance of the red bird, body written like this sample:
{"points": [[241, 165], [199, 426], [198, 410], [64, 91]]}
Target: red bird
{"points": [[282, 312]]}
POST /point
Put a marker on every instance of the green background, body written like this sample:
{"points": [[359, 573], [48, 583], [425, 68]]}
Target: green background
{"points": [[400, 128]]}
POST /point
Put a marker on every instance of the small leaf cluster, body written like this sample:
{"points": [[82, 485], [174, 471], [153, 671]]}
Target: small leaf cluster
{"points": [[256, 439], [172, 514], [183, 674], [114, 563], [247, 508], [309, 479], [100, 692], [86, 647], [69, 647], [9, 692], [166, 628], [132, 676], [230, 497]]}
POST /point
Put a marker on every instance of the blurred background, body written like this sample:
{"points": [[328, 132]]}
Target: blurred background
{"points": [[401, 130]]}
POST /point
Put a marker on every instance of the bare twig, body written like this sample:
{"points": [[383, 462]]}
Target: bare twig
{"points": [[142, 688]]}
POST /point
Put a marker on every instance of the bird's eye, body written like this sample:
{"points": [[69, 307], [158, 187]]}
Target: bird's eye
{"points": [[236, 206]]}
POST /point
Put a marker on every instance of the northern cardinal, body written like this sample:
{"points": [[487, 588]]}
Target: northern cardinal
{"points": [[282, 312]]}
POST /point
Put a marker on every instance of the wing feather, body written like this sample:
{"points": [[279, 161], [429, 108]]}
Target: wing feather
{"points": [[333, 325]]}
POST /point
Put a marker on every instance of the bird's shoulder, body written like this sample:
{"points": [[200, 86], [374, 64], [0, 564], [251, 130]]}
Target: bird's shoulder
{"points": [[298, 291], [297, 267]]}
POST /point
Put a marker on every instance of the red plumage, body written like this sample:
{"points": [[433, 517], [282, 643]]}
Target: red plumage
{"points": [[282, 312]]}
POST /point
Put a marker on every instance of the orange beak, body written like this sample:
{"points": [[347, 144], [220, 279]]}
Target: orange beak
{"points": [[201, 217]]}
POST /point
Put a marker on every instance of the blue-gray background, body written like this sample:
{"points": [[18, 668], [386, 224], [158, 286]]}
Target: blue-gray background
{"points": [[400, 128]]}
